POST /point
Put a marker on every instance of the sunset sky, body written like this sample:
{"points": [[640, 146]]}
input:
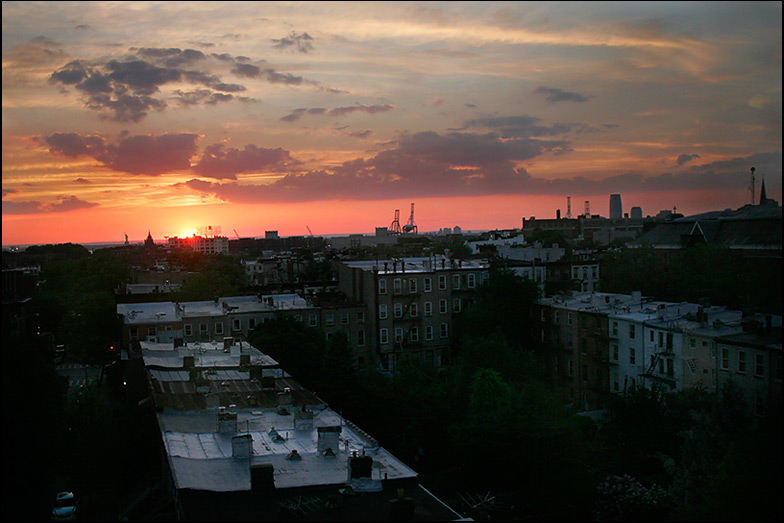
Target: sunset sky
{"points": [[124, 117]]}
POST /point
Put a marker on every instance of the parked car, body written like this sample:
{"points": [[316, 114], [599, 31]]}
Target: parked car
{"points": [[64, 507]]}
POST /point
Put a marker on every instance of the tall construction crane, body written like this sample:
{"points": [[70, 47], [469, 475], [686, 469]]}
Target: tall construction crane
{"points": [[394, 227], [311, 232], [410, 226]]}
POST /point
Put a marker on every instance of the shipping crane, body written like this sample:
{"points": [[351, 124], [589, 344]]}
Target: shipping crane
{"points": [[410, 226]]}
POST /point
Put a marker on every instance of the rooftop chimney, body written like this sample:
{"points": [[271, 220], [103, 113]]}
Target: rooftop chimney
{"points": [[242, 446], [328, 438]]}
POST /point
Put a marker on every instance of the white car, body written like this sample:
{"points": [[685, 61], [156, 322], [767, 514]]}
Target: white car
{"points": [[64, 507]]}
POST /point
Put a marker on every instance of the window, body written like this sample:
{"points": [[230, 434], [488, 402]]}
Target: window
{"points": [[236, 324], [742, 361], [313, 320], [219, 327], [444, 330], [759, 365], [541, 314], [428, 284], [555, 316], [725, 359], [615, 352], [413, 335], [412, 285], [251, 323], [568, 318], [692, 343], [382, 286], [152, 331], [397, 286], [442, 306], [429, 332], [344, 318], [188, 329], [631, 331], [456, 281], [329, 319], [615, 328], [485, 277], [595, 273], [398, 335], [413, 310], [133, 332], [382, 311], [383, 336], [471, 280], [398, 310], [361, 338], [652, 336], [632, 356], [442, 282], [204, 328], [456, 304], [428, 308], [361, 317]]}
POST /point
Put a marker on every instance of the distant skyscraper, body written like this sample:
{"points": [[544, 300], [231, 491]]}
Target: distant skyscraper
{"points": [[616, 209], [636, 213]]}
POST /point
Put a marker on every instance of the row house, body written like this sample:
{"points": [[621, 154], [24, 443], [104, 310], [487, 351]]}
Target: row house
{"points": [[600, 344], [235, 317], [411, 303]]}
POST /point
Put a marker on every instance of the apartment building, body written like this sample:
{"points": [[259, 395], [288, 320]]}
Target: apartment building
{"points": [[209, 320], [411, 303], [598, 344]]}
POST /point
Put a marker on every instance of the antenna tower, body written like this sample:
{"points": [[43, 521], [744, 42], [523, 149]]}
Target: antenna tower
{"points": [[587, 209], [394, 227], [568, 206], [410, 226]]}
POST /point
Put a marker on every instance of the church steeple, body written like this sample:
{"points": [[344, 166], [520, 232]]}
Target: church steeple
{"points": [[763, 196]]}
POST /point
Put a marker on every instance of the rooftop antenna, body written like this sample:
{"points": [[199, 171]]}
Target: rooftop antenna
{"points": [[394, 227], [751, 188], [410, 226], [568, 206], [587, 209]]}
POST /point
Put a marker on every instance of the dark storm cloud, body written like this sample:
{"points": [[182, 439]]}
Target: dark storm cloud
{"points": [[145, 155], [247, 70], [371, 109], [422, 164], [338, 111], [171, 57], [554, 95], [361, 134], [65, 203], [685, 158], [295, 42], [525, 126], [151, 155], [74, 145], [222, 162]]}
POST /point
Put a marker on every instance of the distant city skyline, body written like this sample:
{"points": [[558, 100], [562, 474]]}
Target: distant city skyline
{"points": [[119, 118]]}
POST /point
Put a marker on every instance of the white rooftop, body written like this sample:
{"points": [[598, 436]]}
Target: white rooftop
{"points": [[416, 265], [201, 457], [209, 354]]}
